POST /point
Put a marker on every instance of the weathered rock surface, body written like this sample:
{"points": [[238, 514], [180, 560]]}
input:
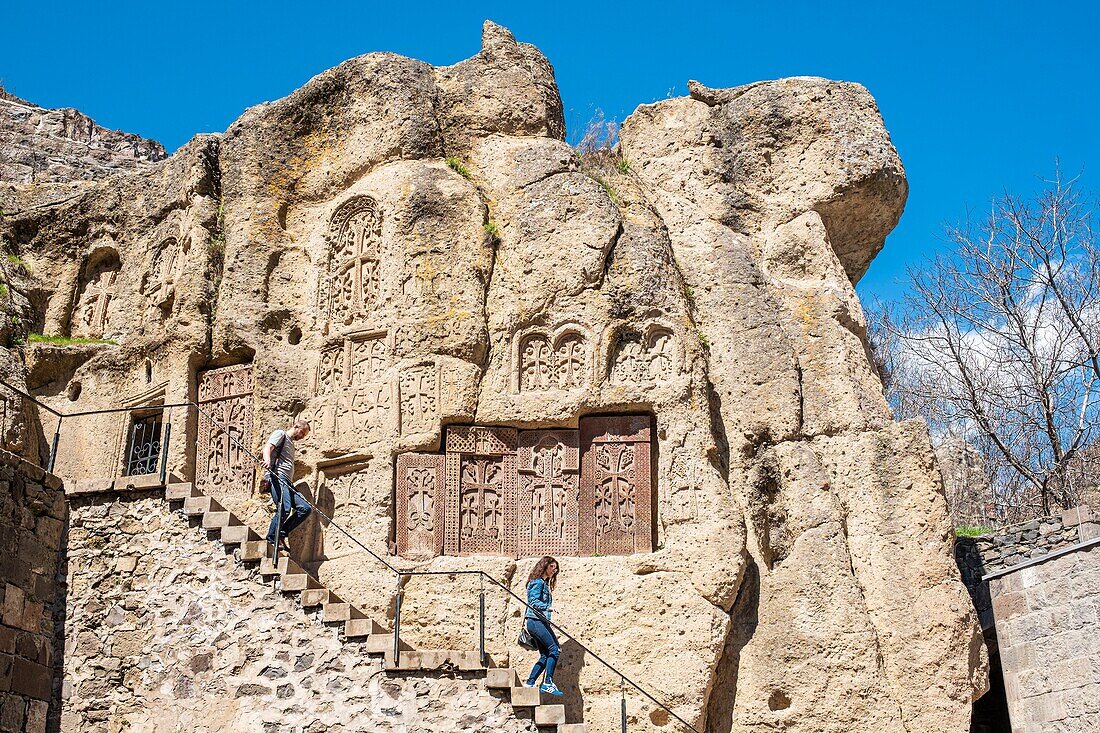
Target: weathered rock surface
{"points": [[60, 145], [330, 263]]}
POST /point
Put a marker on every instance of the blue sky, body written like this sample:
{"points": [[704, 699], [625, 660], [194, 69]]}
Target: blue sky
{"points": [[980, 97]]}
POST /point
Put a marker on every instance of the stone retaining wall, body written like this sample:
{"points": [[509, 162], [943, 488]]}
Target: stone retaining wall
{"points": [[32, 524], [170, 633]]}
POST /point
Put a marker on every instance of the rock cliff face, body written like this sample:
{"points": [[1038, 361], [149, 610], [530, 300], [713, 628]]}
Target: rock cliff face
{"points": [[59, 145], [657, 371]]}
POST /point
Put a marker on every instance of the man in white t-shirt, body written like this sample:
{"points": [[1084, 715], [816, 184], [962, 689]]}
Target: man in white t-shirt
{"points": [[291, 508]]}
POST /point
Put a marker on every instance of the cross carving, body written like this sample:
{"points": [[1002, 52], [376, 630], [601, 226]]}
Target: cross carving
{"points": [[481, 511]]}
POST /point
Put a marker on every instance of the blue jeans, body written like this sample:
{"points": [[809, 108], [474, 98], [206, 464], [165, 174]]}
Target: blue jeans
{"points": [[291, 508], [548, 650]]}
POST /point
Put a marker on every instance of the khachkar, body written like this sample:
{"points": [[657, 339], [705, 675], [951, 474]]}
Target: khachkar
{"points": [[499, 491], [225, 429]]}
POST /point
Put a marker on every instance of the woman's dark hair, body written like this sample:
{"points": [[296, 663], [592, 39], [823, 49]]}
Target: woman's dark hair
{"points": [[539, 571]]}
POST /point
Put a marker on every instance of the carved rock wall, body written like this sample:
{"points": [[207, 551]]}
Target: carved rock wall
{"points": [[324, 252]]}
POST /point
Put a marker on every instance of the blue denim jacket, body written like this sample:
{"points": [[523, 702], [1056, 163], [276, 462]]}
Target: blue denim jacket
{"points": [[538, 598]]}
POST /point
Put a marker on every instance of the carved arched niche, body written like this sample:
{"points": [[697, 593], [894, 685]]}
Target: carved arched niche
{"points": [[545, 360], [91, 316], [649, 356], [352, 279]]}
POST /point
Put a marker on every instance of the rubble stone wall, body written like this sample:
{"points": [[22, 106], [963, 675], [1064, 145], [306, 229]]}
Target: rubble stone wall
{"points": [[32, 517], [169, 633], [1048, 629]]}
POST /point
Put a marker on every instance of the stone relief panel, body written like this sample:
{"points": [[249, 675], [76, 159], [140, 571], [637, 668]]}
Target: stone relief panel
{"points": [[549, 466], [165, 272], [419, 397], [352, 285], [225, 429], [646, 358], [616, 486], [420, 502], [353, 384], [526, 493], [545, 360], [342, 487], [91, 317], [481, 497]]}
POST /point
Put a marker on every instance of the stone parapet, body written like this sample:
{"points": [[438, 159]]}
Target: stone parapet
{"points": [[1018, 543]]}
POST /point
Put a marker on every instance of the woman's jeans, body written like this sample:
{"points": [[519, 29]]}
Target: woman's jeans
{"points": [[291, 508], [548, 650]]}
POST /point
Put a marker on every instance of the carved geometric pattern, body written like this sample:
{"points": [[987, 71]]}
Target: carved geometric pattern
{"points": [[225, 429], [353, 276], [616, 486], [532, 492], [352, 384], [419, 396], [646, 359], [545, 361], [481, 440], [547, 498], [481, 492], [421, 493]]}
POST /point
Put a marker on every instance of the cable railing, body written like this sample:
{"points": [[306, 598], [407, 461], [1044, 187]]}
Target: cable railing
{"points": [[402, 576]]}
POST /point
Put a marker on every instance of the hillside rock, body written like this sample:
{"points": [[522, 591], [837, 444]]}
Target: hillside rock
{"points": [[686, 333], [59, 145]]}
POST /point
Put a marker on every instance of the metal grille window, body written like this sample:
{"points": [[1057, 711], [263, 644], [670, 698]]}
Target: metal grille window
{"points": [[143, 453]]}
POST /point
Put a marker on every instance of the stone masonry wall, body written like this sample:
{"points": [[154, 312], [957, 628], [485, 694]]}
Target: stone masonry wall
{"points": [[32, 516], [1018, 543], [1048, 628], [169, 633]]}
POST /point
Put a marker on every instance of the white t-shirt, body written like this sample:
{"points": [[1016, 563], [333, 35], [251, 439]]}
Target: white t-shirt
{"points": [[284, 462]]}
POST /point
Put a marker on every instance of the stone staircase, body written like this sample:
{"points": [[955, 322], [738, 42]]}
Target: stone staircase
{"points": [[356, 626]]}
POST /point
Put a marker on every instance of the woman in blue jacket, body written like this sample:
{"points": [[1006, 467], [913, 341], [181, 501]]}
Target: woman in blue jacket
{"points": [[541, 581]]}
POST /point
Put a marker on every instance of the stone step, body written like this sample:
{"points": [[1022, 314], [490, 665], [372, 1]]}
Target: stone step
{"points": [[286, 566], [500, 679], [434, 659], [549, 715], [236, 534], [382, 644], [572, 728], [313, 597], [525, 697], [334, 612], [179, 491], [254, 550], [297, 582], [197, 505], [215, 520], [360, 627]]}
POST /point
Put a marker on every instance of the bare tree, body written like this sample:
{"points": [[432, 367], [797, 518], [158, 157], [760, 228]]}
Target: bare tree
{"points": [[998, 344]]}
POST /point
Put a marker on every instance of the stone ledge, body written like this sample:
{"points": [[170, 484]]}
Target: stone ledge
{"points": [[31, 471], [122, 484]]}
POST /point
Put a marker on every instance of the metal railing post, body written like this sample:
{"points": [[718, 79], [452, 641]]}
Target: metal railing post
{"points": [[164, 454], [481, 623], [397, 597], [53, 446], [622, 703]]}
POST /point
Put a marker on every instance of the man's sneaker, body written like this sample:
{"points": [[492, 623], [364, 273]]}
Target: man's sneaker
{"points": [[550, 689], [530, 684]]}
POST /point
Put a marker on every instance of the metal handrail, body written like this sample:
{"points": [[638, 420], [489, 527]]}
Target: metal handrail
{"points": [[399, 573]]}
